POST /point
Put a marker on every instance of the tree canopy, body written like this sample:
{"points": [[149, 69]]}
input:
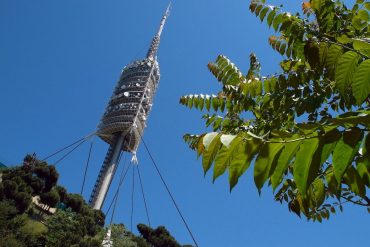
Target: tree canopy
{"points": [[149, 237], [22, 223], [306, 127], [74, 222]]}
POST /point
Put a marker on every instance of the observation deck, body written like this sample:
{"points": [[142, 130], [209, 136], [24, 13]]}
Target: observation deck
{"points": [[132, 99]]}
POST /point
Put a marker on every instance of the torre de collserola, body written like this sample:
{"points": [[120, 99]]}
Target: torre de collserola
{"points": [[124, 119]]}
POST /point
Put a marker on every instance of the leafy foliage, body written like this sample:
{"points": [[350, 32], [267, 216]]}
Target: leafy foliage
{"points": [[74, 224], [158, 237], [67, 228], [22, 223], [306, 129], [122, 237]]}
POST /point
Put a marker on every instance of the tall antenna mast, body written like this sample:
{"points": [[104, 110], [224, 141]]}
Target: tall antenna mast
{"points": [[124, 119], [152, 52]]}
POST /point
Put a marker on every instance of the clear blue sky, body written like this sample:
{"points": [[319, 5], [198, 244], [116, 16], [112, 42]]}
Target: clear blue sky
{"points": [[59, 62]]}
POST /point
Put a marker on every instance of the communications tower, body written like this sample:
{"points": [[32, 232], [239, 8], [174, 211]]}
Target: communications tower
{"points": [[125, 116]]}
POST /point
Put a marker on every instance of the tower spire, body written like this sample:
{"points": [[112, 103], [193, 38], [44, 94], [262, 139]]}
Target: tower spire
{"points": [[152, 52]]}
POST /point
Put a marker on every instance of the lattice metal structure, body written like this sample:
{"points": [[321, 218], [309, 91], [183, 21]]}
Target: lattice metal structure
{"points": [[125, 116]]}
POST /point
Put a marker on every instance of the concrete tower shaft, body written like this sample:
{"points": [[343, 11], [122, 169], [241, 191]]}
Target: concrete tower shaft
{"points": [[124, 119]]}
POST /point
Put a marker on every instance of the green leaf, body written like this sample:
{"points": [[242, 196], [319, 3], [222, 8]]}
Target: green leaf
{"points": [[198, 145], [270, 17], [317, 4], [266, 163], [263, 13], [213, 146], [345, 151], [277, 21], [367, 6], [330, 140], [283, 162], [351, 119], [190, 102], [366, 147], [303, 162], [252, 148], [319, 218], [208, 138], [208, 103], [318, 192], [222, 105], [201, 102], [295, 207], [226, 140], [258, 10], [215, 103], [225, 71], [343, 39], [333, 185], [224, 156], [237, 161], [363, 15], [196, 101], [362, 46], [361, 82], [253, 6], [345, 70], [311, 52], [363, 168], [323, 52], [282, 49], [333, 55], [354, 181], [358, 23]]}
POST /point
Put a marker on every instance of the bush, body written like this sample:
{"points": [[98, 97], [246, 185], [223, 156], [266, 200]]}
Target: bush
{"points": [[99, 217], [50, 198], [37, 185], [23, 201], [75, 202], [62, 192], [159, 237], [10, 188], [76, 224], [11, 241], [7, 211]]}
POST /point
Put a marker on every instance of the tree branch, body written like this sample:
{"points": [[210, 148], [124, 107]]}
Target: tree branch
{"points": [[357, 202], [344, 46]]}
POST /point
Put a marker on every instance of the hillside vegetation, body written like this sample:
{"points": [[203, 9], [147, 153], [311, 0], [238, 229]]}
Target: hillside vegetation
{"points": [[35, 211]]}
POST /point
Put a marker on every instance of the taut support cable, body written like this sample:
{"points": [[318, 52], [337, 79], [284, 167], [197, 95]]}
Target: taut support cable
{"points": [[122, 178], [68, 146], [132, 194], [169, 192], [142, 192], [87, 166], [64, 156]]}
